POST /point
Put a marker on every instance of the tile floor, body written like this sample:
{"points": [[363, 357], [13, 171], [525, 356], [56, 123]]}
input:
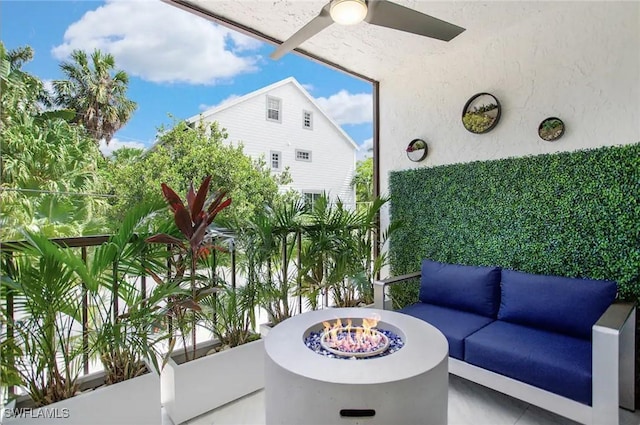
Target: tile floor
{"points": [[469, 404]]}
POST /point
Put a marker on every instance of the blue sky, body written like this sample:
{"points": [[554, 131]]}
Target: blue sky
{"points": [[178, 64]]}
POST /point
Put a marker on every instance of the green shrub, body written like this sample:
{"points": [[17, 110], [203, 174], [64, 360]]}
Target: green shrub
{"points": [[571, 214]]}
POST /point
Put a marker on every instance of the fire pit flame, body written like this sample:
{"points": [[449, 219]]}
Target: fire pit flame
{"points": [[354, 341]]}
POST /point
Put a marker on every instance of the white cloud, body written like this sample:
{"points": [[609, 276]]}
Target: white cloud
{"points": [[347, 108], [241, 42], [364, 150], [308, 87], [116, 144], [161, 43], [205, 107]]}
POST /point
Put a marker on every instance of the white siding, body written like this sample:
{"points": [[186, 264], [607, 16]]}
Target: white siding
{"points": [[332, 164]]}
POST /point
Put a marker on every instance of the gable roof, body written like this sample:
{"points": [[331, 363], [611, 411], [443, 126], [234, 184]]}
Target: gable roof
{"points": [[267, 89]]}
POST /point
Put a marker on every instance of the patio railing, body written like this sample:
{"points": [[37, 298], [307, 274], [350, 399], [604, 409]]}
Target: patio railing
{"points": [[289, 256], [9, 250]]}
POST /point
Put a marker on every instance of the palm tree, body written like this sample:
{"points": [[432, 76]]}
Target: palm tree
{"points": [[20, 93], [96, 92]]}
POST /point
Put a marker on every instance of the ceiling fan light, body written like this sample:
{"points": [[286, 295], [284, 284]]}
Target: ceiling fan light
{"points": [[348, 12]]}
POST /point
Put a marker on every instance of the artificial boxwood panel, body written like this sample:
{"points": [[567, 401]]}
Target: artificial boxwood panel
{"points": [[573, 214]]}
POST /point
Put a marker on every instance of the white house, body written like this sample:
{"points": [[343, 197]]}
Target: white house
{"points": [[283, 123]]}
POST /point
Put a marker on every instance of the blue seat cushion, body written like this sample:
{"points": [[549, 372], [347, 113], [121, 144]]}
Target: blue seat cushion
{"points": [[469, 288], [456, 325], [559, 304], [554, 362]]}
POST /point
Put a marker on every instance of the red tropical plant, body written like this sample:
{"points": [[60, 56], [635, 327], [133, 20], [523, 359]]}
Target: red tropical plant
{"points": [[192, 220]]}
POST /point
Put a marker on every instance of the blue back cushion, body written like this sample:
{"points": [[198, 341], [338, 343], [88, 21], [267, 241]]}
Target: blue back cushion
{"points": [[468, 288], [567, 305]]}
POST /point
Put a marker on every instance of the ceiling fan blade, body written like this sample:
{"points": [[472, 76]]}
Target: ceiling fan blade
{"points": [[317, 24], [391, 15]]}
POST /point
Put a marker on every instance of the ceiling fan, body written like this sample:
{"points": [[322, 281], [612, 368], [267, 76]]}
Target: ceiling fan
{"points": [[376, 12]]}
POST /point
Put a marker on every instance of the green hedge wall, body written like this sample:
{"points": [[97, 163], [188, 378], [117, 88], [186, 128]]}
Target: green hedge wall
{"points": [[570, 214]]}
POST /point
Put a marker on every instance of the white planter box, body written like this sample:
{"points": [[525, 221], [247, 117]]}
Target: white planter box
{"points": [[132, 402], [264, 329], [193, 388], [388, 304]]}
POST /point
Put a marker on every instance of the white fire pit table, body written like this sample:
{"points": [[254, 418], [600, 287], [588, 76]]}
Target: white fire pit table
{"points": [[409, 386]]}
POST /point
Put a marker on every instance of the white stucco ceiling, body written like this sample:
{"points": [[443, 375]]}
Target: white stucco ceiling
{"points": [[377, 52]]}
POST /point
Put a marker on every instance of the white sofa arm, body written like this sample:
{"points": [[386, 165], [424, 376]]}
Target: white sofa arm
{"points": [[613, 362], [380, 285]]}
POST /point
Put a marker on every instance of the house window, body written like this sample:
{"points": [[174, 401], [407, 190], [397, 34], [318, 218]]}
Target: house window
{"points": [[276, 160], [311, 197], [307, 120], [273, 109], [303, 155]]}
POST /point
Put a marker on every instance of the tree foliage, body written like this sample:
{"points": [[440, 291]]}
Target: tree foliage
{"points": [[96, 92], [363, 180], [184, 154], [126, 154], [20, 91], [45, 161]]}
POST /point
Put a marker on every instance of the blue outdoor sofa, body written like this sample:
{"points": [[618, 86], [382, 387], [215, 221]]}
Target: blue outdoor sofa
{"points": [[555, 342]]}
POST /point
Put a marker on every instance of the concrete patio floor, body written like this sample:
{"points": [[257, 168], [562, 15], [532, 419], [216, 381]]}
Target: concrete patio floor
{"points": [[469, 404]]}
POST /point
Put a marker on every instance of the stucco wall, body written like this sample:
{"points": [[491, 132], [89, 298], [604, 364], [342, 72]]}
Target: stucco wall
{"points": [[577, 61]]}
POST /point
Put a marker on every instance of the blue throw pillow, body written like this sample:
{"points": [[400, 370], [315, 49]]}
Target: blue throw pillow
{"points": [[560, 304], [468, 288]]}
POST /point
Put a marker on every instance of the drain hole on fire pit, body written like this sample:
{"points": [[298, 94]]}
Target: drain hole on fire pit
{"points": [[357, 413]]}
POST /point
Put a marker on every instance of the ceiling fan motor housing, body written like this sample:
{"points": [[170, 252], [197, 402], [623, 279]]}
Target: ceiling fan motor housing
{"points": [[348, 12]]}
